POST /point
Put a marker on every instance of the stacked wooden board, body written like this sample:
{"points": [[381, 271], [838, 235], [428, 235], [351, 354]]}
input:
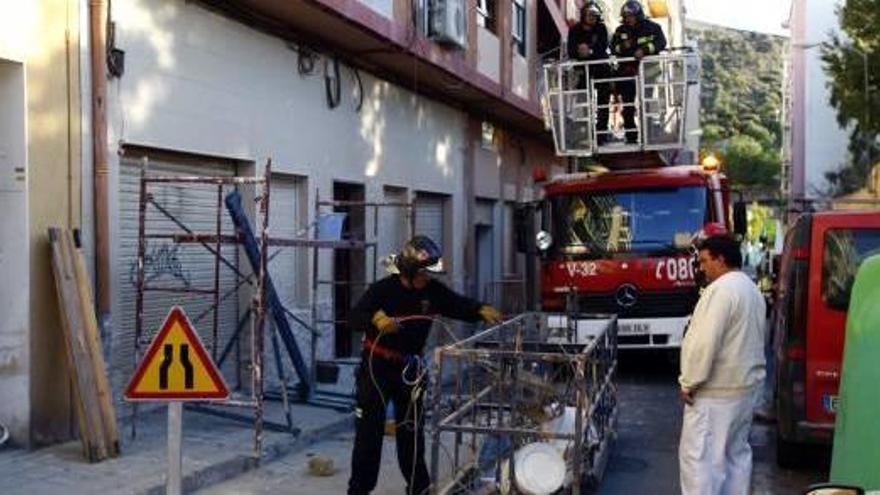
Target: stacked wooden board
{"points": [[92, 397]]}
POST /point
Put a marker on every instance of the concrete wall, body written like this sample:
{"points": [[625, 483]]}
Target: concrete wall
{"points": [[825, 140], [818, 143], [42, 37]]}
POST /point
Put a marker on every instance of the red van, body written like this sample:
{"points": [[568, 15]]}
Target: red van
{"points": [[821, 256]]}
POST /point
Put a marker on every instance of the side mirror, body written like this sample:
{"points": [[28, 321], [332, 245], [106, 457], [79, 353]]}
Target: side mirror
{"points": [[740, 219], [833, 489], [543, 240]]}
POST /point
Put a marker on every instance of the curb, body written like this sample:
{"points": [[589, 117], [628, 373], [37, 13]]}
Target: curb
{"points": [[230, 468]]}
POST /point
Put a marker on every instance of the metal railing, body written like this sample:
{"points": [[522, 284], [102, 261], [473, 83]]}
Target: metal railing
{"points": [[526, 380], [660, 83]]}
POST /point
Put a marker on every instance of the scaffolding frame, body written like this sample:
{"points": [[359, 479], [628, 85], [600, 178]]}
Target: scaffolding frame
{"points": [[511, 383], [213, 244], [320, 209]]}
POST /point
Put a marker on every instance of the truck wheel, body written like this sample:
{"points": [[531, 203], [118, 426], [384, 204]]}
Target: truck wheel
{"points": [[789, 455]]}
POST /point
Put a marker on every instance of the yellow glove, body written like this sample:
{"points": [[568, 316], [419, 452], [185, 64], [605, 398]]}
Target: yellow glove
{"points": [[491, 315], [384, 323]]}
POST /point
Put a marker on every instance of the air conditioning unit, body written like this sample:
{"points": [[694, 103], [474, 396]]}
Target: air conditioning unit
{"points": [[448, 22]]}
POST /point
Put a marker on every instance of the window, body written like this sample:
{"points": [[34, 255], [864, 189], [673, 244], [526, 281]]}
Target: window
{"points": [[647, 221], [845, 249], [486, 16], [518, 26]]}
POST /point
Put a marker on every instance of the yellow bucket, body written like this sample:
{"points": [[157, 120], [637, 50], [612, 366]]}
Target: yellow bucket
{"points": [[658, 8]]}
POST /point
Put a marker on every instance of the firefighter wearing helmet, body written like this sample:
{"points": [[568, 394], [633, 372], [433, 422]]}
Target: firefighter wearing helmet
{"points": [[588, 40], [396, 314], [636, 37]]}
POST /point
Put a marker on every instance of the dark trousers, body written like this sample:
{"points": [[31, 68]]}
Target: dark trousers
{"points": [[627, 92], [409, 413]]}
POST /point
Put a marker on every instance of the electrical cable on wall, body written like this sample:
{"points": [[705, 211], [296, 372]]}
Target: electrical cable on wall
{"points": [[332, 84], [359, 89]]}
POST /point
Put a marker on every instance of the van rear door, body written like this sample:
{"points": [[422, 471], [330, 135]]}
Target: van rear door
{"points": [[840, 241]]}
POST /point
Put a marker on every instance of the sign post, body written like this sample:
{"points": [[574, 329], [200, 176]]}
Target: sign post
{"points": [[176, 369]]}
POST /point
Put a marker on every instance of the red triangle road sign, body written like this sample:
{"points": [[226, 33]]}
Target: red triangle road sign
{"points": [[176, 366]]}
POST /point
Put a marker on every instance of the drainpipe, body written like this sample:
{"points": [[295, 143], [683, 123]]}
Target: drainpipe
{"points": [[97, 28]]}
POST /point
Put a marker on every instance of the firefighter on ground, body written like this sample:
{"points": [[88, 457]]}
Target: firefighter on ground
{"points": [[396, 315], [588, 40], [637, 36]]}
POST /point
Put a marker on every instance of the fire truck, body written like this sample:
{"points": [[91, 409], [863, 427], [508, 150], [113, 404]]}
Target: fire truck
{"points": [[616, 236]]}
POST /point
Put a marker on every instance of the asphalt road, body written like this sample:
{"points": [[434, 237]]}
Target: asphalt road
{"points": [[645, 457], [644, 460]]}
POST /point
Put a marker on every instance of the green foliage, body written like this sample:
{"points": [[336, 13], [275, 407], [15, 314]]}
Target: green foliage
{"points": [[846, 59], [749, 163], [741, 101]]}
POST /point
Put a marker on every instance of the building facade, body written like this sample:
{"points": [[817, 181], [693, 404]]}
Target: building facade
{"points": [[814, 143]]}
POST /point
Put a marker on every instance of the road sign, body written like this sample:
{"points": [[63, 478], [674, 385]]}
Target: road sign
{"points": [[176, 366]]}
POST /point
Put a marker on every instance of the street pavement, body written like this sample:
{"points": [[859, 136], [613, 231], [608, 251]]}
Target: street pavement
{"points": [[644, 460]]}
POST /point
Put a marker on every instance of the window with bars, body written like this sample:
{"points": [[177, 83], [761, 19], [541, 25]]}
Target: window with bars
{"points": [[518, 26]]}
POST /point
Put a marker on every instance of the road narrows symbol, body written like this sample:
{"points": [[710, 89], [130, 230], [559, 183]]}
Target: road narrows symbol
{"points": [[168, 360]]}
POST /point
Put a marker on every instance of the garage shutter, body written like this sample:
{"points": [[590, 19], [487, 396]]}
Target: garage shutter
{"points": [[168, 264], [429, 216]]}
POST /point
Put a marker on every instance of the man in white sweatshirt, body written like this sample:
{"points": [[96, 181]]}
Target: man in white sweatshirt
{"points": [[722, 369]]}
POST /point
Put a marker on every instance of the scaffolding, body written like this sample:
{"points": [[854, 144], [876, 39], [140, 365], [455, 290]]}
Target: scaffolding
{"points": [[532, 379], [264, 300], [213, 243], [333, 242]]}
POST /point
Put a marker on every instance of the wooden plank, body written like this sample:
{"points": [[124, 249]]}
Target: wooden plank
{"points": [[90, 393], [93, 341], [94, 448]]}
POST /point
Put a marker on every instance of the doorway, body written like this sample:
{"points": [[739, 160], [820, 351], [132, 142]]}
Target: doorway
{"points": [[349, 267]]}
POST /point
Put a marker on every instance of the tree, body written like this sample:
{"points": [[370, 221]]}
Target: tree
{"points": [[749, 163], [848, 61], [741, 101]]}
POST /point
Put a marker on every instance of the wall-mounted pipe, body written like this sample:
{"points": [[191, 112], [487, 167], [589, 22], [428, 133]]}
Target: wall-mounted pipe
{"points": [[98, 56]]}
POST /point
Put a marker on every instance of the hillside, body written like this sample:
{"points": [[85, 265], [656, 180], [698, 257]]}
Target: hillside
{"points": [[742, 77]]}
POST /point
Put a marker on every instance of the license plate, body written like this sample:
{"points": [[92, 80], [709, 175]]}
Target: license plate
{"points": [[633, 328]]}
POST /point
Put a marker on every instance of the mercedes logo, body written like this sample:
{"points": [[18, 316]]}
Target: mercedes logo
{"points": [[627, 295]]}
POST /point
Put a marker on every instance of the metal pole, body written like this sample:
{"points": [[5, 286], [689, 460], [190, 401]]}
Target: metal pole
{"points": [[139, 296], [175, 447]]}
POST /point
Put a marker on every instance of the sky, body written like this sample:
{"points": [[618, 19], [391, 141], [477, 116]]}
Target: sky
{"points": [[765, 16]]}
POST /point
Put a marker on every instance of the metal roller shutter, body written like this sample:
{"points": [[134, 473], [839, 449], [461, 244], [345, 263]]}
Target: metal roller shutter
{"points": [[429, 216], [168, 264]]}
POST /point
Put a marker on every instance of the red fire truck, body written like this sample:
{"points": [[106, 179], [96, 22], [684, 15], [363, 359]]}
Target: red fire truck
{"points": [[617, 239], [621, 244]]}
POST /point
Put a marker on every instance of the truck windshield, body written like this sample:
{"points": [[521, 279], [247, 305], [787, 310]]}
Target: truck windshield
{"points": [[638, 222]]}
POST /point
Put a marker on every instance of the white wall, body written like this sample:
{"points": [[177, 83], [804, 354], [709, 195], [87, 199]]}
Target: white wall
{"points": [[825, 142], [488, 54], [14, 254], [200, 83]]}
